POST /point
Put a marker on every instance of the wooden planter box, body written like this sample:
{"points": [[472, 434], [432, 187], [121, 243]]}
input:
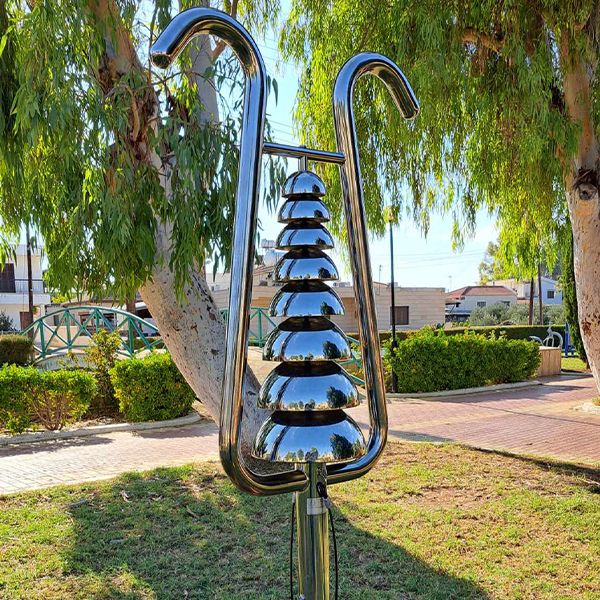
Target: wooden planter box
{"points": [[550, 364]]}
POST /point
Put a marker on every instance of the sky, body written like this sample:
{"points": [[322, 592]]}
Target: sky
{"points": [[419, 261]]}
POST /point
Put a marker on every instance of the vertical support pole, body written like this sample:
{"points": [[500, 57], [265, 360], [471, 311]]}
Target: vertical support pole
{"points": [[393, 304], [312, 529]]}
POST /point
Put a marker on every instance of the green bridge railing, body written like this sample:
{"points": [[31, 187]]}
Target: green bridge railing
{"points": [[70, 329]]}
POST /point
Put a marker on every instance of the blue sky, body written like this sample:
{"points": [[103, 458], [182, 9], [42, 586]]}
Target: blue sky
{"points": [[419, 261]]}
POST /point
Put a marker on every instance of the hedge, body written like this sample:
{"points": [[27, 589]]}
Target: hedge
{"points": [[51, 398], [510, 332], [429, 362], [15, 349], [151, 389]]}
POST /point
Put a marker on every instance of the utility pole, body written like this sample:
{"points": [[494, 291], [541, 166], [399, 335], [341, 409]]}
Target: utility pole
{"points": [[393, 298], [29, 277]]}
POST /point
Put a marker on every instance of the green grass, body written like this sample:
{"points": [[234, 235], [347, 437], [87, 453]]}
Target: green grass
{"points": [[431, 521], [573, 364]]}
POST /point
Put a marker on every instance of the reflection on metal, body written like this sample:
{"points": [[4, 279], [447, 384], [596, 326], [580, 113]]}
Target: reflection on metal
{"points": [[307, 264], [303, 209], [309, 299], [308, 386], [309, 338], [303, 183], [329, 436], [320, 439]]}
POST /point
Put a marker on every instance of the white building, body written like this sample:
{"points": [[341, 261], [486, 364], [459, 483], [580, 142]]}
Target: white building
{"points": [[14, 300], [551, 293], [462, 302]]}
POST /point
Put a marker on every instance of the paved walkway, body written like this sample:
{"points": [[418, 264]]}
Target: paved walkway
{"points": [[538, 420]]}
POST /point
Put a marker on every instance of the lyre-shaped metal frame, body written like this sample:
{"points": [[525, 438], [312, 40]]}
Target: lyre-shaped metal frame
{"points": [[205, 21]]}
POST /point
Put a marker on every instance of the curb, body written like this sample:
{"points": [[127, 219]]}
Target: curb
{"points": [[44, 436], [466, 391]]}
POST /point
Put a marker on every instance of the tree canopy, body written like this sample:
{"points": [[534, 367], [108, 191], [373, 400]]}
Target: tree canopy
{"points": [[493, 131], [82, 113]]}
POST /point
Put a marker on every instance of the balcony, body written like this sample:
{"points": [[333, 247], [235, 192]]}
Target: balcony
{"points": [[20, 286]]}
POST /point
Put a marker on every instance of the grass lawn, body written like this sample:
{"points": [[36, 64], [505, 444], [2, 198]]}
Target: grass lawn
{"points": [[573, 364], [435, 522]]}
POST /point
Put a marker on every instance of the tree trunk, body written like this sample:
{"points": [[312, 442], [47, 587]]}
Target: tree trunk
{"points": [[581, 183], [193, 331]]}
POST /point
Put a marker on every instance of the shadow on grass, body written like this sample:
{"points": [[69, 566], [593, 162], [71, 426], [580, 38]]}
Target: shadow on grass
{"points": [[179, 533]]}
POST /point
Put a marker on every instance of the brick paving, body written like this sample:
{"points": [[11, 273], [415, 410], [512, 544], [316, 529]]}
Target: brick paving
{"points": [[538, 420]]}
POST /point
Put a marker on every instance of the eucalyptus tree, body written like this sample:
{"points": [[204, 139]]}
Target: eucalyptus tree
{"points": [[509, 117], [127, 174]]}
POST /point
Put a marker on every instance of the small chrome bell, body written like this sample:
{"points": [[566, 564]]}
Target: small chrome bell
{"points": [[308, 390]]}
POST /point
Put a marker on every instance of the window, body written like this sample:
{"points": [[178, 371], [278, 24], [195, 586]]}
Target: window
{"points": [[481, 304], [7, 278], [550, 294], [401, 315]]}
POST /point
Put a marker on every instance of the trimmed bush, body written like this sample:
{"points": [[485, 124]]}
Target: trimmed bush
{"points": [[510, 332], [431, 362], [15, 349], [51, 398], [151, 389]]}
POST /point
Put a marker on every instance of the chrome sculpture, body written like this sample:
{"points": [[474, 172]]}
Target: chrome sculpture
{"points": [[308, 390]]}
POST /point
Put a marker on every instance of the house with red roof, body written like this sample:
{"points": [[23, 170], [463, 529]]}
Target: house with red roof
{"points": [[462, 302]]}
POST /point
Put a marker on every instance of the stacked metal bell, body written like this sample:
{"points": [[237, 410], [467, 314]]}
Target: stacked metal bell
{"points": [[308, 390]]}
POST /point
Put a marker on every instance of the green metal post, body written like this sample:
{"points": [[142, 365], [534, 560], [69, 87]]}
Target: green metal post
{"points": [[261, 342]]}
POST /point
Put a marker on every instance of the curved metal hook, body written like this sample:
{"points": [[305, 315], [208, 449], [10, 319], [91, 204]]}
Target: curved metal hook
{"points": [[178, 33], [367, 63]]}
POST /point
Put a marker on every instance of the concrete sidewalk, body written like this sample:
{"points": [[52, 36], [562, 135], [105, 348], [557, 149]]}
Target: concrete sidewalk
{"points": [[540, 420]]}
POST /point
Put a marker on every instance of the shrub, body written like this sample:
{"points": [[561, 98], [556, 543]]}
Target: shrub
{"points": [[155, 341], [151, 389], [6, 323], [101, 357], [431, 362], [52, 398], [15, 349], [510, 332]]}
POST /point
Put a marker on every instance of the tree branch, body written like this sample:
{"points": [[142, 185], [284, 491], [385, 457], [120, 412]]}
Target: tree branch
{"points": [[221, 45], [471, 36]]}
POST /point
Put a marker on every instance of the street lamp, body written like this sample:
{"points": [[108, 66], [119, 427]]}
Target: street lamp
{"points": [[392, 217]]}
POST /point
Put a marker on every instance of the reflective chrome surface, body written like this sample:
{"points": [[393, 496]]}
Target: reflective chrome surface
{"points": [[308, 386], [204, 21], [286, 150], [312, 528], [358, 240], [313, 339], [303, 183], [306, 299], [306, 263], [298, 234], [170, 43], [304, 208], [325, 437]]}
